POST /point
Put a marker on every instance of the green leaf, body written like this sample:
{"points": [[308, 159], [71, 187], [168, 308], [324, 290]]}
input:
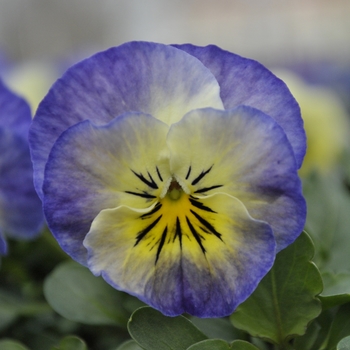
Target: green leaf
{"points": [[242, 345], [71, 343], [211, 344], [13, 306], [76, 294], [340, 327], [336, 289], [328, 220], [317, 332], [284, 302], [129, 345], [219, 344], [9, 309], [217, 328], [8, 344], [306, 341], [344, 344], [154, 331]]}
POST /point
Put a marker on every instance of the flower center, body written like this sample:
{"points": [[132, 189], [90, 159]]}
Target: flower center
{"points": [[175, 191]]}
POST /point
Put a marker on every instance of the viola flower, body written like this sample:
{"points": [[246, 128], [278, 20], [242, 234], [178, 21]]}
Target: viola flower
{"points": [[172, 172], [21, 214]]}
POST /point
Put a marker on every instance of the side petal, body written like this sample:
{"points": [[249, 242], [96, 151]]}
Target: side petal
{"points": [[144, 77], [244, 153], [92, 168], [3, 245], [15, 112], [179, 265], [247, 82], [21, 213]]}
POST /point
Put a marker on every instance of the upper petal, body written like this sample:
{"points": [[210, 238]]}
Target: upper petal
{"points": [[245, 81], [137, 76], [244, 153], [91, 168]]}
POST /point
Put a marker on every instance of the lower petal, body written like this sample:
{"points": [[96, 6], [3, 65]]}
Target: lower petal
{"points": [[200, 256]]}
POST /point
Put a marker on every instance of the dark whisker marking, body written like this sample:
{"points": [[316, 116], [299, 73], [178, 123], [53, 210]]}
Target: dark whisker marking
{"points": [[153, 182], [195, 235], [200, 205], [206, 189], [207, 225], [154, 210], [200, 176], [161, 244], [188, 173], [143, 195], [149, 183], [144, 232], [204, 229], [160, 176], [178, 232]]}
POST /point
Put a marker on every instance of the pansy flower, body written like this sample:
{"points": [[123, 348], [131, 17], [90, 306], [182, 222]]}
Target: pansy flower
{"points": [[21, 214], [172, 172]]}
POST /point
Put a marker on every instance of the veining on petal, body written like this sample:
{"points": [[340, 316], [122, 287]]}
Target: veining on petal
{"points": [[177, 214]]}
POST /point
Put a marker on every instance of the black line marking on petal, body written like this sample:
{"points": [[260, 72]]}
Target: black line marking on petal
{"points": [[149, 183], [206, 189], [161, 244], [200, 205], [143, 195], [160, 176], [200, 176], [151, 242], [178, 232], [188, 173], [195, 235], [204, 230], [144, 232], [154, 210], [207, 225], [153, 182]]}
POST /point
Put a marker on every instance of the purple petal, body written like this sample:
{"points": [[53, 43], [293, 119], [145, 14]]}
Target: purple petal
{"points": [[20, 208], [246, 82]]}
